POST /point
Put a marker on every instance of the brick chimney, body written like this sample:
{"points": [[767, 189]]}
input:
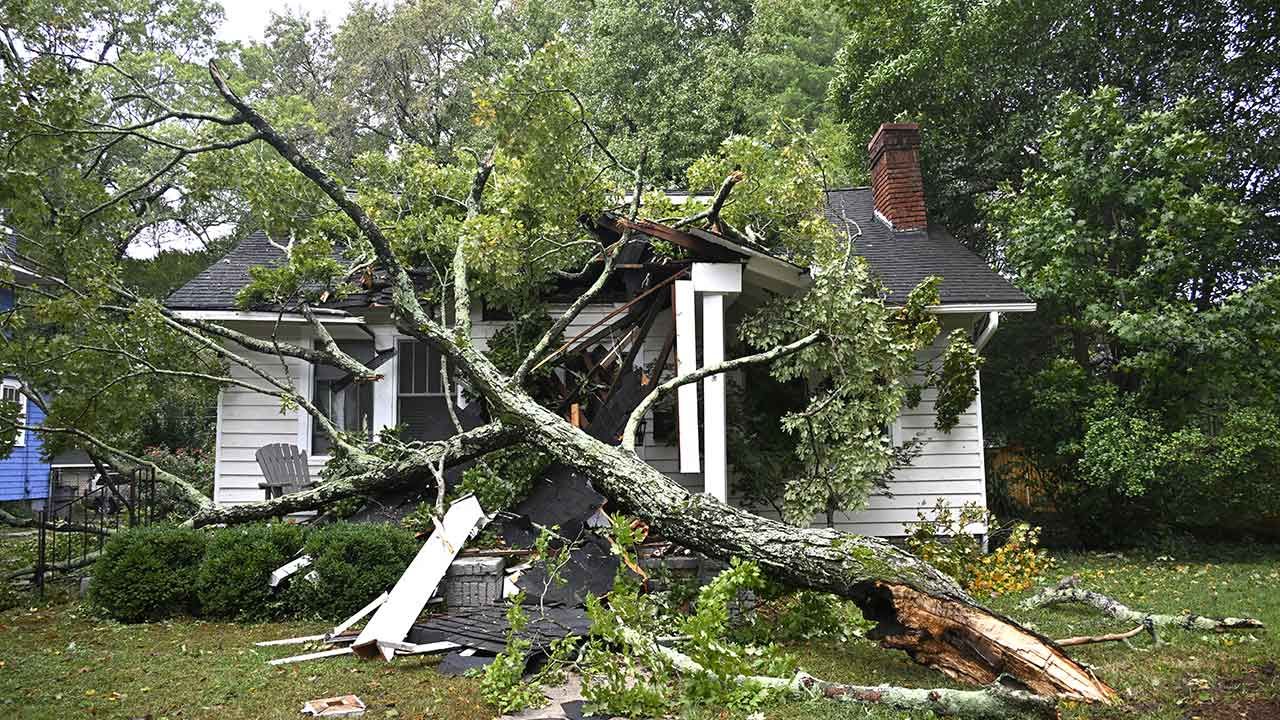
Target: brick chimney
{"points": [[896, 184]]}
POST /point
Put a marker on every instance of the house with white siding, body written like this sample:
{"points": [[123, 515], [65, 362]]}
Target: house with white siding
{"points": [[684, 314]]}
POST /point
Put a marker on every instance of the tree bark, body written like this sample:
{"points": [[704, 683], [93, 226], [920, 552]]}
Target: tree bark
{"points": [[1067, 591]]}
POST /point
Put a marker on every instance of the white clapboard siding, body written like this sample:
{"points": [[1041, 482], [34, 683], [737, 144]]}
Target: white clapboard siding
{"points": [[949, 467], [247, 420]]}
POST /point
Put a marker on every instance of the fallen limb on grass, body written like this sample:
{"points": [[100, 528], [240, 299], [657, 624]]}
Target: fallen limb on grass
{"points": [[1111, 637], [996, 700], [82, 562], [1068, 591]]}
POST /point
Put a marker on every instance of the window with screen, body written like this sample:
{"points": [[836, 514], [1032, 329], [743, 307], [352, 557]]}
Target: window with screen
{"points": [[13, 394], [419, 370], [421, 402], [347, 404]]}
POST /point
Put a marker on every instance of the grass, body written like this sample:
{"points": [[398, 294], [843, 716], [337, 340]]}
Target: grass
{"points": [[1195, 675], [60, 660]]}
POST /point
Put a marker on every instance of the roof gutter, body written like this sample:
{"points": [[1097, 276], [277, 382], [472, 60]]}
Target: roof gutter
{"points": [[993, 323]]}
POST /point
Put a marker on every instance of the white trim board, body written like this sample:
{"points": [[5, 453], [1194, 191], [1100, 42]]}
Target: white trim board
{"points": [[980, 308], [259, 316]]}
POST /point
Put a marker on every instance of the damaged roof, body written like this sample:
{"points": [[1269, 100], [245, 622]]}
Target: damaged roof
{"points": [[900, 259]]}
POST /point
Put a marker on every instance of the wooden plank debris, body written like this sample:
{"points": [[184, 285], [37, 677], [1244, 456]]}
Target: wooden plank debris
{"points": [[406, 648], [397, 614], [292, 641], [279, 574], [346, 624], [311, 656]]}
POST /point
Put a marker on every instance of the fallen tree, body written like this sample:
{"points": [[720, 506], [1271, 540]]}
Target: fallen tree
{"points": [[918, 609]]}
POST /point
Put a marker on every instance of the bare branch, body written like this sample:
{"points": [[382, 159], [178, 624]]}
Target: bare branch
{"points": [[123, 459], [405, 299], [461, 291], [712, 214], [637, 415], [586, 297]]}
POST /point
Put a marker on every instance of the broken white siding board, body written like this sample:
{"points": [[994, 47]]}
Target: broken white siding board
{"points": [[346, 624], [418, 583], [292, 641], [687, 362], [310, 656], [403, 648], [279, 574]]}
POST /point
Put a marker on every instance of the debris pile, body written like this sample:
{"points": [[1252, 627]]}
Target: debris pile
{"points": [[474, 627]]}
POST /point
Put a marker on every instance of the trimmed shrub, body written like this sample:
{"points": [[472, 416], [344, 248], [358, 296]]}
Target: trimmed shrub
{"points": [[232, 582], [354, 563], [148, 573]]}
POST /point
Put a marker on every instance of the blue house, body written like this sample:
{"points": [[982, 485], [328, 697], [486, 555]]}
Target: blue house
{"points": [[24, 474]]}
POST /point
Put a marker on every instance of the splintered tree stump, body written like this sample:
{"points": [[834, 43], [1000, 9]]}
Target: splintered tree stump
{"points": [[974, 645]]}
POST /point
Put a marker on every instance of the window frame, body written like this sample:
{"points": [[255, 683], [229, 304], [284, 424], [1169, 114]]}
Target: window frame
{"points": [[402, 367], [307, 428], [23, 408]]}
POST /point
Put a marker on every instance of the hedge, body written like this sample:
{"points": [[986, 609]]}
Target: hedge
{"points": [[156, 572], [353, 563], [148, 573], [233, 579]]}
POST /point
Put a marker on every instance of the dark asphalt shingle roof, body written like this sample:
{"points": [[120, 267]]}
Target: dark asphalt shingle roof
{"points": [[215, 288], [900, 259], [903, 259]]}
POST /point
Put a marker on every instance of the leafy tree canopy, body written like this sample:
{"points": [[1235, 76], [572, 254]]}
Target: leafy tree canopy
{"points": [[1151, 365]]}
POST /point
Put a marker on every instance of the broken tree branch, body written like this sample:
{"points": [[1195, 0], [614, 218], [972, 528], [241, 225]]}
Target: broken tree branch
{"points": [[1068, 591], [994, 701], [637, 415], [1113, 637], [712, 213], [610, 256], [367, 475], [12, 520]]}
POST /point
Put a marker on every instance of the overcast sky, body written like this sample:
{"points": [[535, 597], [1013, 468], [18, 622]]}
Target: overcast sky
{"points": [[246, 19]]}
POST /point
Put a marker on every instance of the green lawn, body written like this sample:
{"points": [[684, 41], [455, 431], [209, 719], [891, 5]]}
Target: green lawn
{"points": [[58, 660]]}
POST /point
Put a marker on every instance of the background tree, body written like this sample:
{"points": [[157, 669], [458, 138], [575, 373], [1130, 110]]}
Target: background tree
{"points": [[1147, 381], [983, 79]]}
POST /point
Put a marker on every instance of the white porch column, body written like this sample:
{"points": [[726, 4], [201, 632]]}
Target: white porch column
{"points": [[715, 476], [384, 389], [687, 362], [715, 281]]}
